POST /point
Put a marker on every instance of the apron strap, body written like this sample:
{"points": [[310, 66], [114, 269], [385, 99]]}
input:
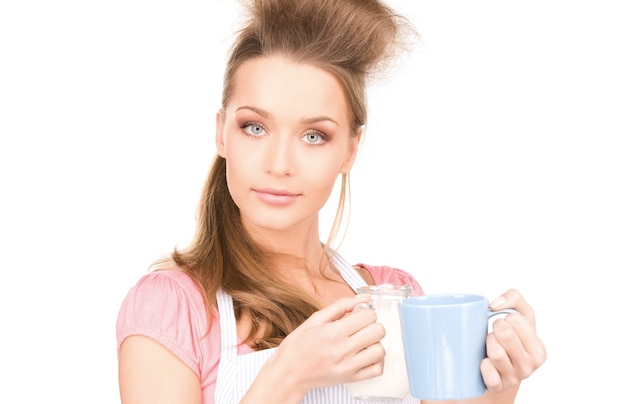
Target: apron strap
{"points": [[347, 271], [227, 368]]}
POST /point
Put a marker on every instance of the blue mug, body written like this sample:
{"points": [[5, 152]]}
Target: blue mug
{"points": [[444, 342]]}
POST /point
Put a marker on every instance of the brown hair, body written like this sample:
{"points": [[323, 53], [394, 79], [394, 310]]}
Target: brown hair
{"points": [[352, 39]]}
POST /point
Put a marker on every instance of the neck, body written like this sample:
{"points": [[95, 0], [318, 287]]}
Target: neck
{"points": [[300, 242]]}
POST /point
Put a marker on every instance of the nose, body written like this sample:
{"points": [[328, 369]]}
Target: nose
{"points": [[280, 158]]}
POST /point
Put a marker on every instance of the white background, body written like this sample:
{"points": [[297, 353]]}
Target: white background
{"points": [[494, 158]]}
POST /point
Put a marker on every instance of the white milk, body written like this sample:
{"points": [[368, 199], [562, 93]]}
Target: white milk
{"points": [[394, 382]]}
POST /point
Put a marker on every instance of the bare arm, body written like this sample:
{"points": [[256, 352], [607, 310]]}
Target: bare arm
{"points": [[150, 374]]}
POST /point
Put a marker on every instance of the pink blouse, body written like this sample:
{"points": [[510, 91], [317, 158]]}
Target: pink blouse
{"points": [[168, 307]]}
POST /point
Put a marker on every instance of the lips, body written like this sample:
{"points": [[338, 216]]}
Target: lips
{"points": [[276, 197]]}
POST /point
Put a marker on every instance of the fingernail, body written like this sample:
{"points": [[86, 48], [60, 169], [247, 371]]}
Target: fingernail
{"points": [[497, 303]]}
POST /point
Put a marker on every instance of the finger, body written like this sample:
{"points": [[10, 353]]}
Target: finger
{"points": [[499, 373], [358, 319], [504, 349], [526, 351], [520, 361], [525, 328], [369, 362], [491, 375], [336, 310], [367, 335], [353, 323], [512, 299]]}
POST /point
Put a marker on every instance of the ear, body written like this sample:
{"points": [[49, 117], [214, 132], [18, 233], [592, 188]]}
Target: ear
{"points": [[352, 152], [219, 132]]}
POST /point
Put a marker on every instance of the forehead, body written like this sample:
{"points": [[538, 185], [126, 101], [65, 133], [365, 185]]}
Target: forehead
{"points": [[286, 88]]}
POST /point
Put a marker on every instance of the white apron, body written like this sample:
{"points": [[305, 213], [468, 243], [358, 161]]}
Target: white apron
{"points": [[237, 372]]}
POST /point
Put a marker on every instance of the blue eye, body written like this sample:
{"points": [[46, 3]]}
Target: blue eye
{"points": [[253, 129], [314, 138]]}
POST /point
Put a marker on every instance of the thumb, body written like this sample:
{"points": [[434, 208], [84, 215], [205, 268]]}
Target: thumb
{"points": [[336, 310]]}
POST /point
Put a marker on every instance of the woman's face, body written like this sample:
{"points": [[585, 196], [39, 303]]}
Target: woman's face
{"points": [[285, 136]]}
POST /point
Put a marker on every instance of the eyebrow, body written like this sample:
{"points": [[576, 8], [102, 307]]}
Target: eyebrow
{"points": [[306, 121]]}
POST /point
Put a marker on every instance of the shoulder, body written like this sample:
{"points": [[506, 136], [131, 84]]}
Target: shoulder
{"points": [[163, 292], [169, 307], [386, 274]]}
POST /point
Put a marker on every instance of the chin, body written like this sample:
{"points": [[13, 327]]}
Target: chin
{"points": [[272, 222]]}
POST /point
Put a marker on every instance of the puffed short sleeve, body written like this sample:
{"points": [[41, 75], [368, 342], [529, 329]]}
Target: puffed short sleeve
{"points": [[168, 307], [395, 276]]}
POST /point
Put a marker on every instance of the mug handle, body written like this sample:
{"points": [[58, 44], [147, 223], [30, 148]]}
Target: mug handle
{"points": [[503, 311]]}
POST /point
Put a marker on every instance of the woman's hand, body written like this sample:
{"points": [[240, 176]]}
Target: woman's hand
{"points": [[335, 345], [514, 351]]}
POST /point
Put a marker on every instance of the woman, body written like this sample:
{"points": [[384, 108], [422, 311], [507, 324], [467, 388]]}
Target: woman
{"points": [[257, 309]]}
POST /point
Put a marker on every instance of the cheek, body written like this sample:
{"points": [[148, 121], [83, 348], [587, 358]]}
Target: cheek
{"points": [[237, 178], [239, 159], [324, 176], [334, 163]]}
